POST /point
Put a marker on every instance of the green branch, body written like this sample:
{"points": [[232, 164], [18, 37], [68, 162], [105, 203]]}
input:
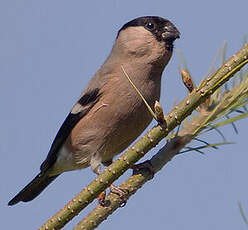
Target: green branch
{"points": [[151, 139], [135, 182], [206, 115]]}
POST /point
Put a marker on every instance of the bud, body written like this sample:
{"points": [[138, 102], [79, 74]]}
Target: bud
{"points": [[187, 80]]}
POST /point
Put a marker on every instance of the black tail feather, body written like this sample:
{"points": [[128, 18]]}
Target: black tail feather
{"points": [[33, 189]]}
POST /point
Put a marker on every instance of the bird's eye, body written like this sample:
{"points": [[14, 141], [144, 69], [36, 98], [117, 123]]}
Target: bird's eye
{"points": [[150, 26]]}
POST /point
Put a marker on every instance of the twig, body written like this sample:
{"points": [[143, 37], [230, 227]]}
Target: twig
{"points": [[151, 139]]}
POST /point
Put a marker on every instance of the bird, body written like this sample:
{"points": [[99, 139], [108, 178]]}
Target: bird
{"points": [[109, 114]]}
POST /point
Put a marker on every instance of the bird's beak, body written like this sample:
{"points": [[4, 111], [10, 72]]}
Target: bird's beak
{"points": [[170, 33]]}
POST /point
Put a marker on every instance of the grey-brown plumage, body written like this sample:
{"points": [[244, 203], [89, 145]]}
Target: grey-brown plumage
{"points": [[109, 114]]}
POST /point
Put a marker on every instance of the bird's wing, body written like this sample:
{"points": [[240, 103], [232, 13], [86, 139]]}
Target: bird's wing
{"points": [[80, 109]]}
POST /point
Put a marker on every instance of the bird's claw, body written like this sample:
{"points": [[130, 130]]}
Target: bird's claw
{"points": [[121, 192], [144, 165], [101, 198]]}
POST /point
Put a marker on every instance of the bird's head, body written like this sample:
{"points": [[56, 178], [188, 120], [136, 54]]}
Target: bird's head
{"points": [[148, 37]]}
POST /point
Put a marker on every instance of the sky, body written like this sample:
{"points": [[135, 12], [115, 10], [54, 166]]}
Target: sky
{"points": [[48, 52]]}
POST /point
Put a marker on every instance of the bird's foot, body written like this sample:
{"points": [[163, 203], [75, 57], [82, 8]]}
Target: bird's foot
{"points": [[101, 198], [121, 192], [144, 165]]}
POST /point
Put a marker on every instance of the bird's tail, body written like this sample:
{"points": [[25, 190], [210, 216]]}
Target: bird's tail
{"points": [[33, 189]]}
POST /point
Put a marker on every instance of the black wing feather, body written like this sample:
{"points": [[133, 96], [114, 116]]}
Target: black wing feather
{"points": [[87, 101]]}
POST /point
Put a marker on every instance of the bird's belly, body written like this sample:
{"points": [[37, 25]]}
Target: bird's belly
{"points": [[65, 162], [110, 127], [124, 133]]}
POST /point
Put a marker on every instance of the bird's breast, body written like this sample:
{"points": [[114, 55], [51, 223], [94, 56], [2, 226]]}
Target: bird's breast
{"points": [[114, 122], [125, 117]]}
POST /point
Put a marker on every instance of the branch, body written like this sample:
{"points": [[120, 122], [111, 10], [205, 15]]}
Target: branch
{"points": [[135, 182], [150, 140], [229, 101]]}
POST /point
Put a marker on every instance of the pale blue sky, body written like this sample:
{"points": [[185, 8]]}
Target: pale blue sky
{"points": [[48, 52]]}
